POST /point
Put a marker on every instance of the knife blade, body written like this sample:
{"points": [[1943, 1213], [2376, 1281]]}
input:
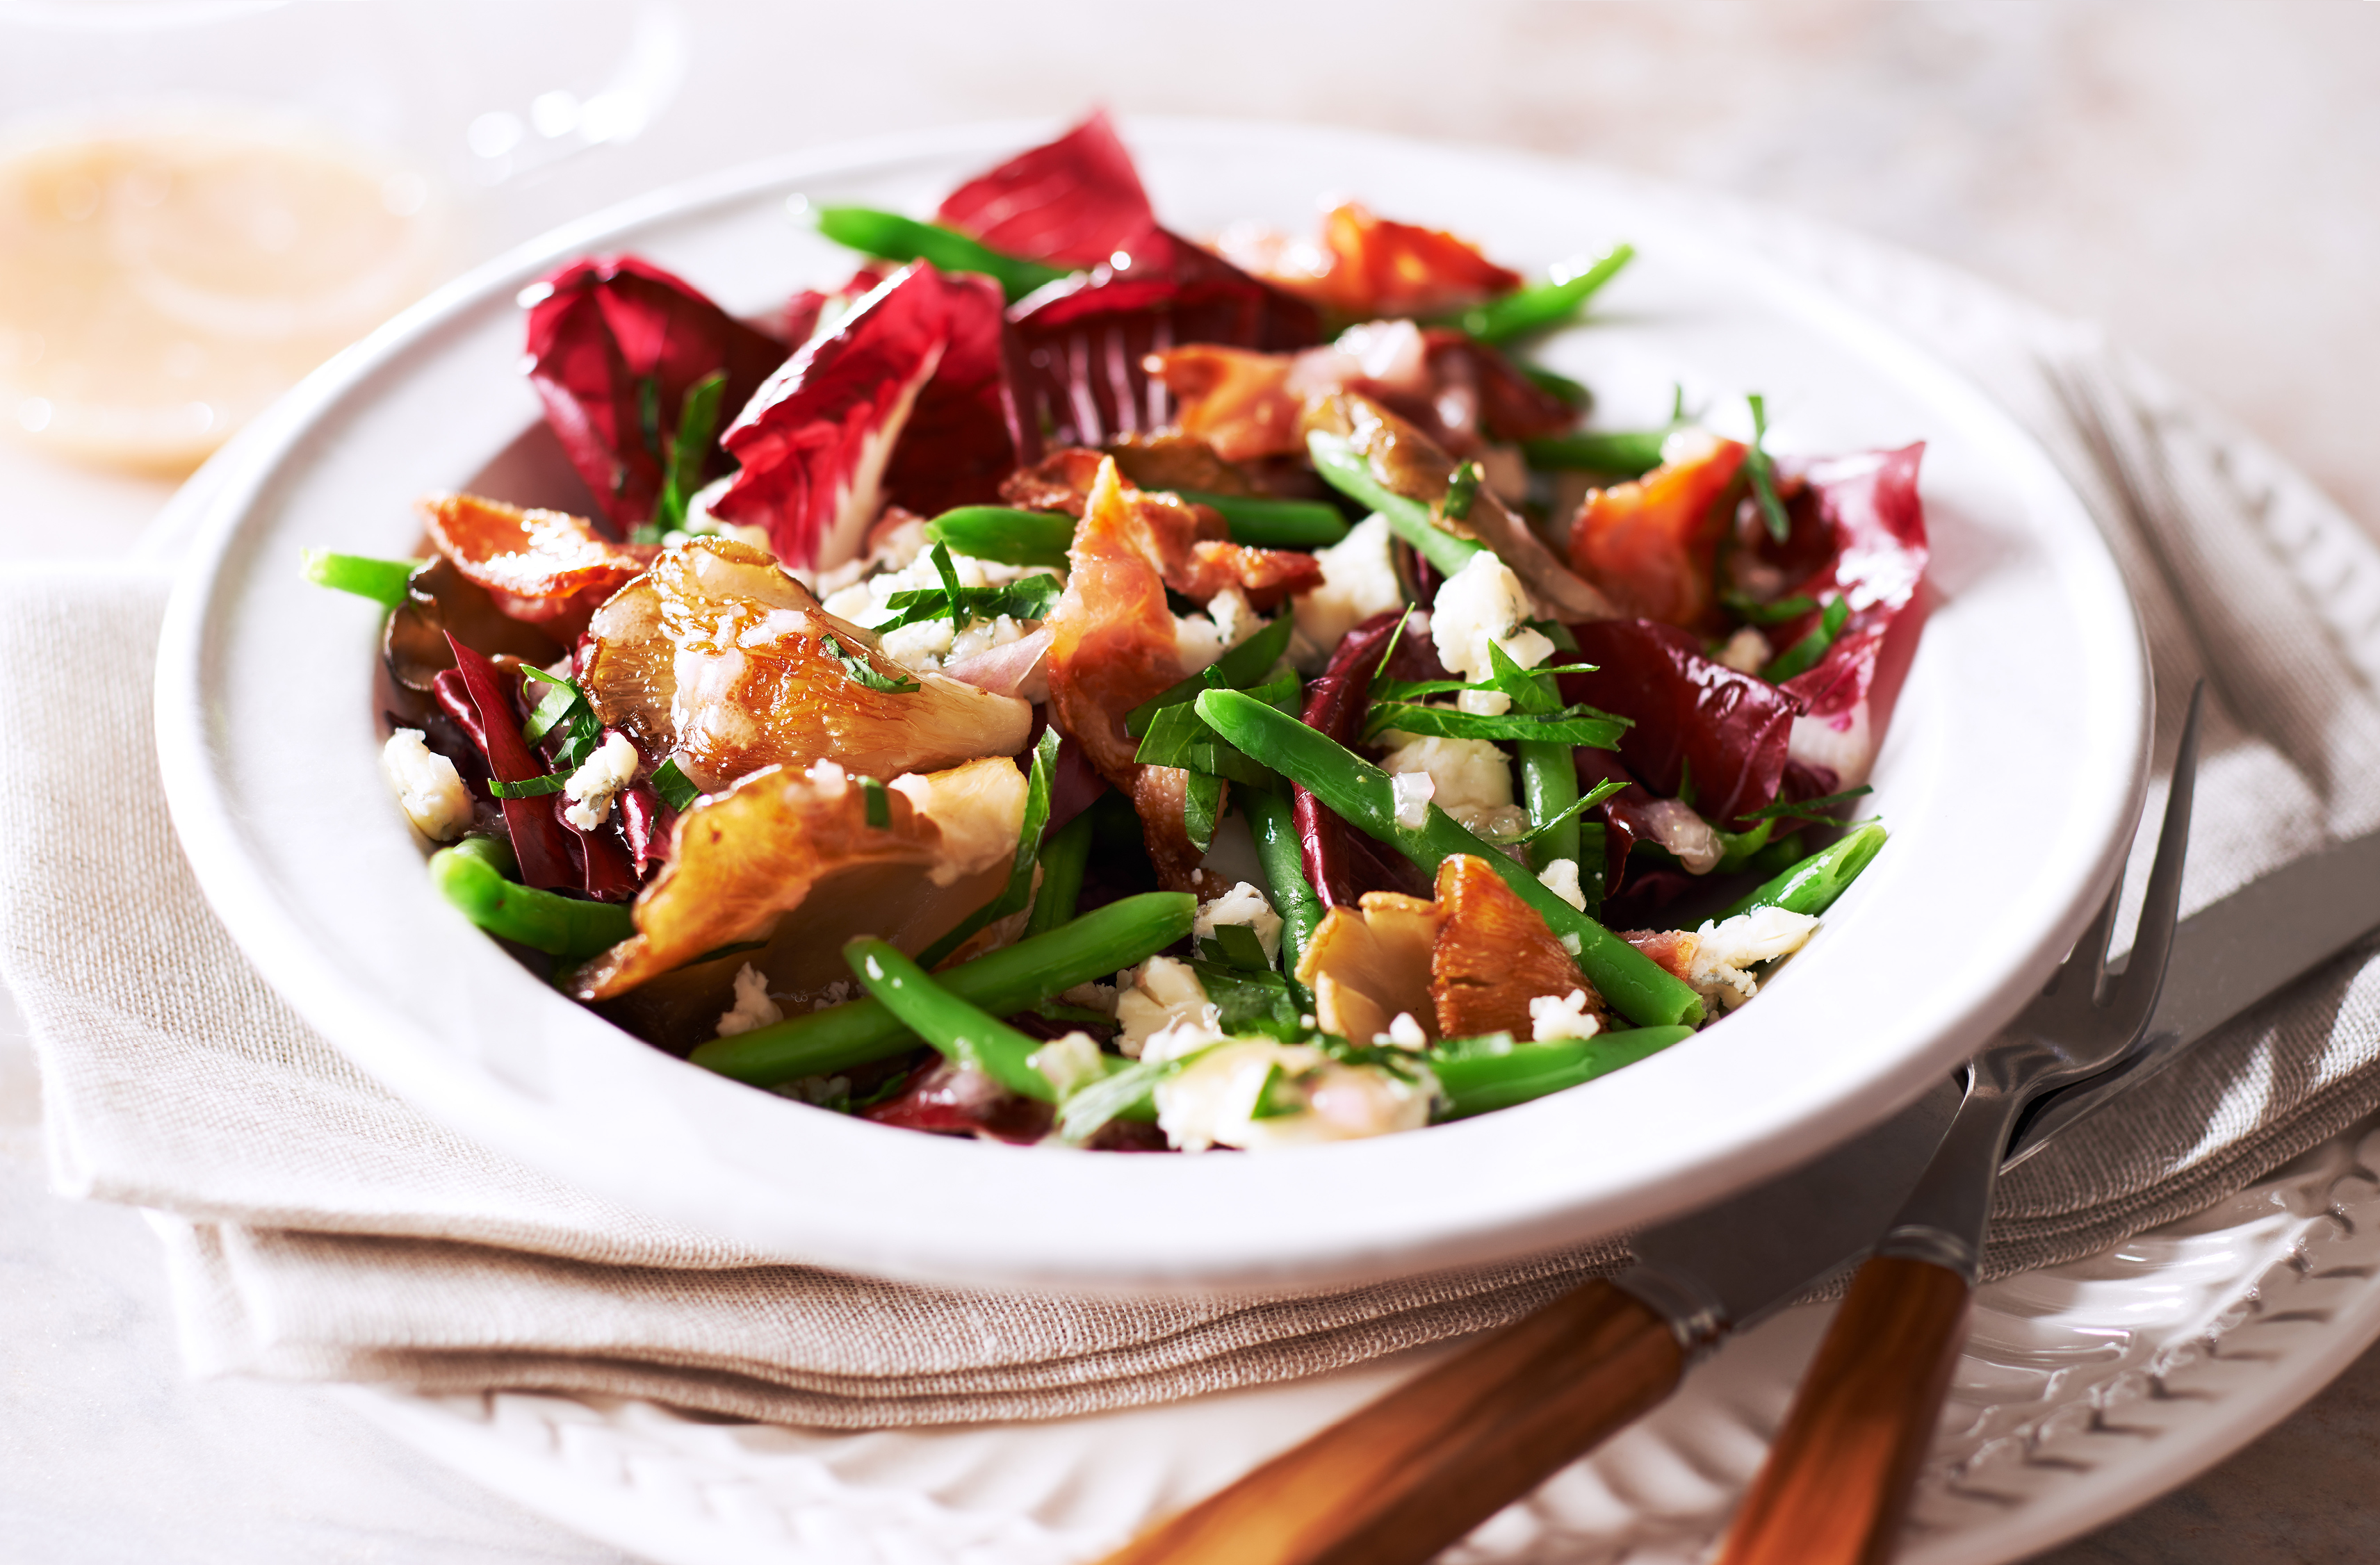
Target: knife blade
{"points": [[2227, 957], [1401, 1478]]}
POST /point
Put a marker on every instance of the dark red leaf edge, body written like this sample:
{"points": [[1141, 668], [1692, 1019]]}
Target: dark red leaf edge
{"points": [[1068, 202]]}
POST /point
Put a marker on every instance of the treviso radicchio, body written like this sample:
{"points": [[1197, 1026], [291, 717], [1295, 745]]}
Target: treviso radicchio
{"points": [[901, 401], [614, 344], [1071, 203], [1869, 504]]}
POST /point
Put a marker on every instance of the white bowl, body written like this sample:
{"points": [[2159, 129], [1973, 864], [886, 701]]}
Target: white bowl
{"points": [[2011, 776]]}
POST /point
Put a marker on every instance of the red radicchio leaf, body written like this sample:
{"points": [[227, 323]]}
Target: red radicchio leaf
{"points": [[540, 842], [1072, 202], [1507, 404], [597, 331], [903, 401], [1689, 714], [958, 1099], [1076, 348], [1341, 863], [1871, 503], [644, 823]]}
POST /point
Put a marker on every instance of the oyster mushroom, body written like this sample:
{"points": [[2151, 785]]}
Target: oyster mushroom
{"points": [[792, 858], [1368, 964], [720, 657], [547, 568], [1494, 955]]}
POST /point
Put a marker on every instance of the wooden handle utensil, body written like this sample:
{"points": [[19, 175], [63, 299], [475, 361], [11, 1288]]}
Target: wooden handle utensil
{"points": [[1406, 1475]]}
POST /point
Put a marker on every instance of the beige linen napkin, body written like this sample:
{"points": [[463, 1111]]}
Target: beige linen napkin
{"points": [[319, 1229]]}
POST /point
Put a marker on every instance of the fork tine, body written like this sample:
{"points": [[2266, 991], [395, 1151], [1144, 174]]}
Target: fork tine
{"points": [[2136, 992], [2087, 962]]}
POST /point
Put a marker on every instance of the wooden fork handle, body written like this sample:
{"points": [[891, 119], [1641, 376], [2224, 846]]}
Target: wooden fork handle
{"points": [[1836, 1485], [1400, 1479]]}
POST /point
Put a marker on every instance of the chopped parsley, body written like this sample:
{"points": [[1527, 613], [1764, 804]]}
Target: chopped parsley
{"points": [[1757, 468], [861, 671]]}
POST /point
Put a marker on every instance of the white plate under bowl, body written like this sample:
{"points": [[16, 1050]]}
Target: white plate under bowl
{"points": [[2011, 776]]}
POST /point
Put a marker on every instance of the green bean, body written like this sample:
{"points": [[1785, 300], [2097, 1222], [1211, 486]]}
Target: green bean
{"points": [[1243, 666], [1550, 782], [894, 237], [382, 581], [1542, 306], [964, 1034], [1274, 826], [1274, 524], [1630, 452], [1012, 538], [471, 876], [1360, 792], [1813, 885], [1474, 1083], [1063, 856], [1562, 387], [1347, 470], [1094, 946]]}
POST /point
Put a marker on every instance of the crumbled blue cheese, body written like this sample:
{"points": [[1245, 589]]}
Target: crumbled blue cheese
{"points": [[1469, 779], [1560, 878], [427, 786], [591, 788], [928, 645], [1677, 828], [1241, 904], [1160, 993], [1403, 1033], [1482, 605], [1359, 579], [1092, 997], [1411, 792], [1200, 639], [1725, 953], [1211, 1101], [1068, 1063], [1555, 1016], [753, 1008], [1747, 651]]}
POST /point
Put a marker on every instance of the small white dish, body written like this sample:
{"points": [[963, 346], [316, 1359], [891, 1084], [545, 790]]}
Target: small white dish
{"points": [[2012, 777]]}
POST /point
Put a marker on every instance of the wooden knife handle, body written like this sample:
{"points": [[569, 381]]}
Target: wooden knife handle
{"points": [[1400, 1479], [1836, 1485]]}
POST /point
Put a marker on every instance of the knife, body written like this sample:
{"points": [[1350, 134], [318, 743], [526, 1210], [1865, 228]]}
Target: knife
{"points": [[1402, 1477]]}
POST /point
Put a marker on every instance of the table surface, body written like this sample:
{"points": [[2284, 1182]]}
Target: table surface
{"points": [[2196, 176]]}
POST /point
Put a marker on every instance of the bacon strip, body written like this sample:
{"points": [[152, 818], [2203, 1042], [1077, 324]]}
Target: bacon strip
{"points": [[1189, 544]]}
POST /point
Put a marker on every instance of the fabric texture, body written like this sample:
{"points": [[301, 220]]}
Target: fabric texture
{"points": [[317, 1228]]}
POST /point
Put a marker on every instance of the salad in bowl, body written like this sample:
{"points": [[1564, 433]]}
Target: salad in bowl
{"points": [[1074, 684]]}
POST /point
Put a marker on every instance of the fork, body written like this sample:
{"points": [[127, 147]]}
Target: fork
{"points": [[1836, 1485]]}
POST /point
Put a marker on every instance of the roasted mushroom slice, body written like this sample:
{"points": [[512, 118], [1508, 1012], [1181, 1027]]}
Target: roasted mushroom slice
{"points": [[1493, 955], [720, 657], [803, 860], [1369, 964]]}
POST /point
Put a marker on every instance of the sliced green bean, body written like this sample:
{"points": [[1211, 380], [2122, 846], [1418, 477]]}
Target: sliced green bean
{"points": [[1542, 306], [1560, 386], [1347, 470], [1012, 538], [1274, 825], [1813, 885], [1274, 524], [1361, 794], [1064, 858], [1474, 1083], [1236, 670], [382, 581], [1630, 452], [964, 1033], [469, 875], [894, 237], [1095, 946]]}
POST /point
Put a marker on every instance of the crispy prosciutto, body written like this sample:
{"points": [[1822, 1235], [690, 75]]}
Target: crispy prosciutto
{"points": [[1189, 543], [901, 401], [614, 344], [1368, 266], [1072, 202], [1650, 544], [547, 568], [1111, 647]]}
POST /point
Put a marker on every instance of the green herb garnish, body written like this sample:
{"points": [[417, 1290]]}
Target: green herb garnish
{"points": [[863, 673], [676, 788], [1757, 468]]}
